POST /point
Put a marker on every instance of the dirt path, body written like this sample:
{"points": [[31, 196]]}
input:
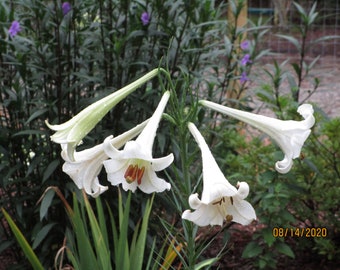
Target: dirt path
{"points": [[327, 96]]}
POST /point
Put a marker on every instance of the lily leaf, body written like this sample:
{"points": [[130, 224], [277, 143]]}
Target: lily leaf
{"points": [[206, 262], [26, 248]]}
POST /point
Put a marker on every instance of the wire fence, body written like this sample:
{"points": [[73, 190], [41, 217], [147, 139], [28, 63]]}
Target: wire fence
{"points": [[327, 24]]}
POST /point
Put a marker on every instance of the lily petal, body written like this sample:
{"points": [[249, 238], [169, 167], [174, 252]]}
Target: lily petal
{"points": [[242, 212], [290, 135], [152, 183], [84, 172], [159, 164], [220, 200], [74, 130], [88, 163], [232, 208], [215, 185], [204, 215], [134, 166], [147, 136]]}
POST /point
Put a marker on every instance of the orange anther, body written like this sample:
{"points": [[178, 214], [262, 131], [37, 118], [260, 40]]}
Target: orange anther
{"points": [[140, 174], [131, 173]]}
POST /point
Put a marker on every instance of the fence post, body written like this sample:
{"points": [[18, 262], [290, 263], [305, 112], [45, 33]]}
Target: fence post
{"points": [[239, 21]]}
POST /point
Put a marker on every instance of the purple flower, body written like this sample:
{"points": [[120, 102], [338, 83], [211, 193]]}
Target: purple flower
{"points": [[244, 77], [245, 60], [66, 7], [145, 18], [244, 45], [14, 29]]}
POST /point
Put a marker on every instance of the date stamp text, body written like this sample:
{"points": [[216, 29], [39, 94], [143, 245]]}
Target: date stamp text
{"points": [[319, 232]]}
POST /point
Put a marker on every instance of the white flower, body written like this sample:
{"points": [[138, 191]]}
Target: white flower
{"points": [[220, 200], [70, 133], [87, 164], [134, 166], [290, 135]]}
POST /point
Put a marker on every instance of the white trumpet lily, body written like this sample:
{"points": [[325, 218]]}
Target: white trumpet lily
{"points": [[87, 164], [73, 131], [220, 200], [134, 166], [290, 135]]}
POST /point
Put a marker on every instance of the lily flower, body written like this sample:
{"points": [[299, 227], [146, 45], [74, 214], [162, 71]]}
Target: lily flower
{"points": [[88, 163], [134, 166], [70, 133], [220, 200], [290, 135]]}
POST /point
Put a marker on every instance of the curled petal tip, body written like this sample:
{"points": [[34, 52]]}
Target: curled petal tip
{"points": [[243, 190], [284, 165], [194, 201], [186, 214], [305, 110]]}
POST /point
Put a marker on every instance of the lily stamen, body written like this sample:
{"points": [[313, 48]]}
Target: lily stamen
{"points": [[140, 174], [133, 173], [220, 201]]}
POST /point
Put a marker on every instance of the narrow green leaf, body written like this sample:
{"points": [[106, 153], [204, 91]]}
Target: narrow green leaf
{"points": [[300, 9], [29, 132], [50, 169], [114, 233], [27, 249], [46, 203], [42, 234], [296, 68], [122, 261], [102, 251], [87, 258], [292, 40], [35, 115], [138, 252], [102, 221], [205, 263], [71, 251], [151, 259]]}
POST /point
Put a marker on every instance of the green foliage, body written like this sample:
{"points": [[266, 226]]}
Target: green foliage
{"points": [[59, 64], [129, 257], [28, 251]]}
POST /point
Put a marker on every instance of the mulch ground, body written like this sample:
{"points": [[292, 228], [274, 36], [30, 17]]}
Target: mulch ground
{"points": [[240, 236]]}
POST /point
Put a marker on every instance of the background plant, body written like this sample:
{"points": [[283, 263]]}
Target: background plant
{"points": [[60, 63]]}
